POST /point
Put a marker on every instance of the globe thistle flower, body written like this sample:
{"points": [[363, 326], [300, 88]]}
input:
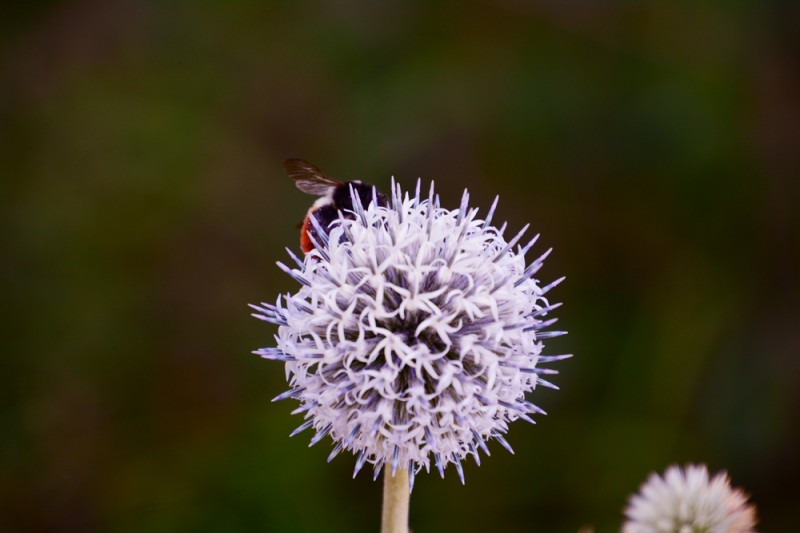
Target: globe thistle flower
{"points": [[415, 335], [686, 501]]}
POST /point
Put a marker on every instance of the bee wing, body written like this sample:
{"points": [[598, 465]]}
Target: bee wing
{"points": [[309, 178]]}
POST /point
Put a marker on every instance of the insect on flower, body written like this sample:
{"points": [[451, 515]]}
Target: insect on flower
{"points": [[417, 331], [335, 197]]}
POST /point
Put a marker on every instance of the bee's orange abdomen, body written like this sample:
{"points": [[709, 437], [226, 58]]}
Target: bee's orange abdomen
{"points": [[305, 240]]}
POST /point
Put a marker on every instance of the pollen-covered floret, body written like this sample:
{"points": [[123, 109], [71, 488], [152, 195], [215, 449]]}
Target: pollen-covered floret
{"points": [[415, 335]]}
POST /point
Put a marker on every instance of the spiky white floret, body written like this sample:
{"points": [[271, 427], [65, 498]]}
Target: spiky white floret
{"points": [[686, 501], [415, 334]]}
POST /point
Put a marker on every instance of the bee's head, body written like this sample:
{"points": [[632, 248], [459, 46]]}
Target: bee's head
{"points": [[343, 200]]}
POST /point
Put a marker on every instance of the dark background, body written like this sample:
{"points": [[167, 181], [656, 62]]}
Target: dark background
{"points": [[654, 144]]}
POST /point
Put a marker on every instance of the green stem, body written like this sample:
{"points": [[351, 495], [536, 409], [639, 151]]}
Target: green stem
{"points": [[395, 501]]}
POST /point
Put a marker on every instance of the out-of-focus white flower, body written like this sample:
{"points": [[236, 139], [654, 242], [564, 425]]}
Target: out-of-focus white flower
{"points": [[416, 333], [686, 501]]}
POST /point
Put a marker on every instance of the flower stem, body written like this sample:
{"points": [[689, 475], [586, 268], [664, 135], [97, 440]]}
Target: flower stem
{"points": [[395, 501]]}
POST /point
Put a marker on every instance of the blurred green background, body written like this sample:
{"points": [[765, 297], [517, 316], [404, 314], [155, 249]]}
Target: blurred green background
{"points": [[655, 145]]}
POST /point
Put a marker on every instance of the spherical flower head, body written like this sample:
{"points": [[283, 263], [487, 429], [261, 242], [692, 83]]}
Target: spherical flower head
{"points": [[415, 335], [686, 501]]}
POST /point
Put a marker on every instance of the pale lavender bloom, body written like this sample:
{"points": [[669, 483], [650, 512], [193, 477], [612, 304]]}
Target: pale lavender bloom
{"points": [[686, 501], [415, 334]]}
